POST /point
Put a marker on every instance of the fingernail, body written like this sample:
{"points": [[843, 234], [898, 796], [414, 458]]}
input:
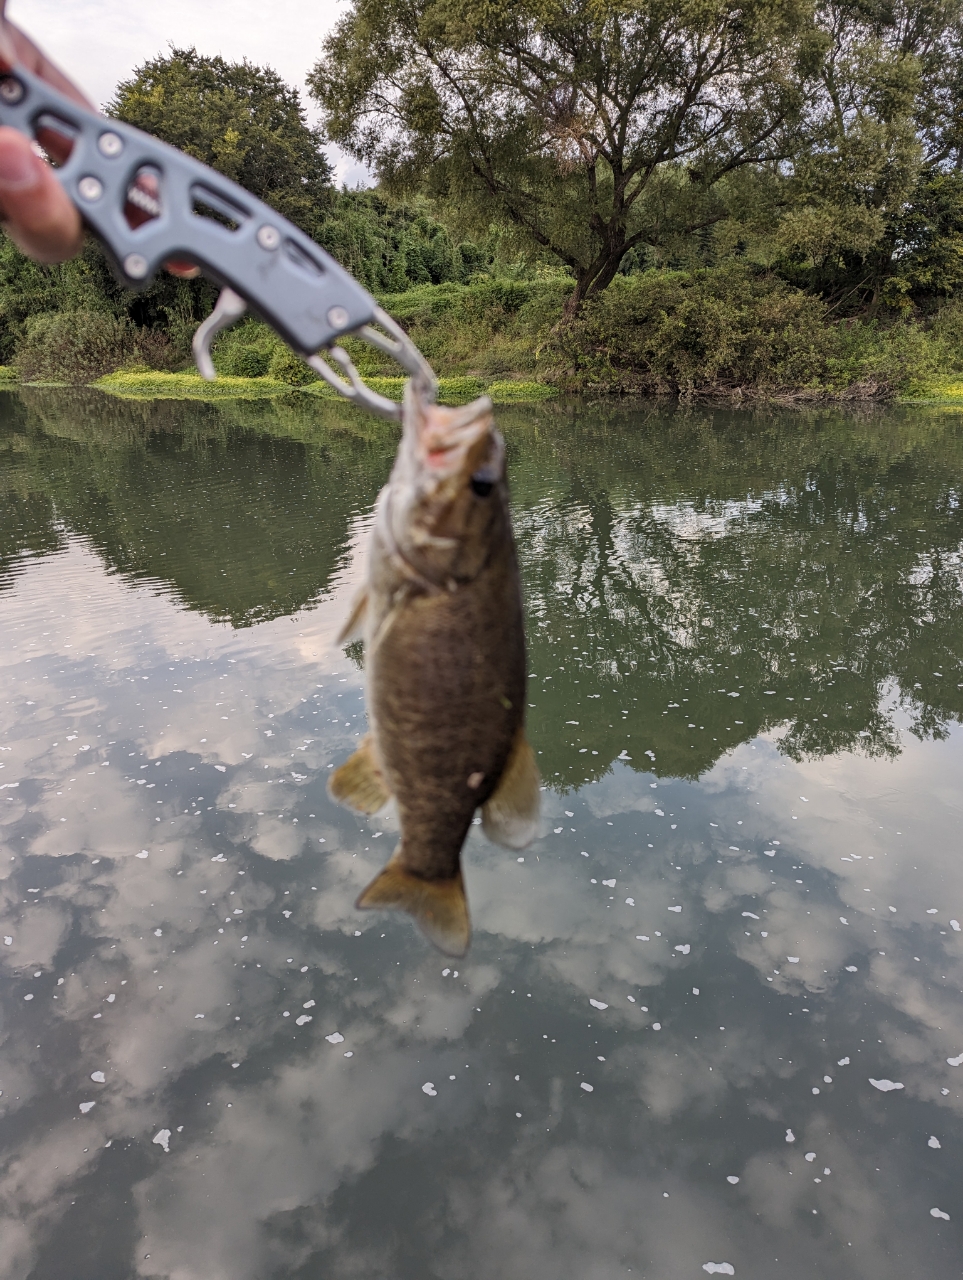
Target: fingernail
{"points": [[18, 169]]}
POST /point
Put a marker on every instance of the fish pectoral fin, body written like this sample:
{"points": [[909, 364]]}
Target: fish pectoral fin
{"points": [[358, 782], [439, 907], [510, 815], [353, 627]]}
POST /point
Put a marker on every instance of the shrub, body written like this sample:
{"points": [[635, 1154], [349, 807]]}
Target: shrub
{"points": [[246, 361], [80, 346], [287, 367], [734, 331], [691, 332]]}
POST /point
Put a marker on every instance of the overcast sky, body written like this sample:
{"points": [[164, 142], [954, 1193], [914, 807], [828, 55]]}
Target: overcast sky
{"points": [[98, 42]]}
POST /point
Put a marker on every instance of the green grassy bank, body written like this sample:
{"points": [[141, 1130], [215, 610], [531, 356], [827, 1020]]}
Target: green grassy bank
{"points": [[732, 333]]}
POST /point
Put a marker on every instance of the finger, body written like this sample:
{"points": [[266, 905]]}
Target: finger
{"points": [[39, 215]]}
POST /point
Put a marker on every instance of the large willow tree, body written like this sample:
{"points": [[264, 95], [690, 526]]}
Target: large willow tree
{"points": [[576, 124]]}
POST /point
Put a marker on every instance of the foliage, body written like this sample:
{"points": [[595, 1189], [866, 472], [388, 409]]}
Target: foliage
{"points": [[389, 246], [79, 346], [153, 385], [556, 119], [241, 119], [728, 332]]}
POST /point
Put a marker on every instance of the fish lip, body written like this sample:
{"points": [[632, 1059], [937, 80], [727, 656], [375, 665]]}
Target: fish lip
{"points": [[443, 439]]}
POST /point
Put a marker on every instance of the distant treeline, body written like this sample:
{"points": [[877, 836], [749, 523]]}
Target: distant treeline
{"points": [[829, 269]]}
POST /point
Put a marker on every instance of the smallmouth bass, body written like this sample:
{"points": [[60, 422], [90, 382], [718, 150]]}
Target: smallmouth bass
{"points": [[441, 618]]}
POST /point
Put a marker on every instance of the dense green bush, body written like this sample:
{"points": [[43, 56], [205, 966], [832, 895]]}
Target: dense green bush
{"points": [[79, 346], [730, 331], [287, 367]]}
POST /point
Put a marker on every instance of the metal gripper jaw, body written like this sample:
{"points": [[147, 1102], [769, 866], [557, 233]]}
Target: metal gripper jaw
{"points": [[393, 342], [149, 204]]}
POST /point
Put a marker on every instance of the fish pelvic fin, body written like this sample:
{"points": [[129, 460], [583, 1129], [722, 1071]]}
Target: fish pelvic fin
{"points": [[438, 907], [352, 629], [358, 782], [510, 815]]}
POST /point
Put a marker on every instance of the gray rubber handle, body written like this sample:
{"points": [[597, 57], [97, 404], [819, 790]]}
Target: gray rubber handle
{"points": [[280, 272]]}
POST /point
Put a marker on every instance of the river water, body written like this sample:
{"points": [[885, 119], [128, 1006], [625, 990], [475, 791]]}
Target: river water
{"points": [[711, 1021]]}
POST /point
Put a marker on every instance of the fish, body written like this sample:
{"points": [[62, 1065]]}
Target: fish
{"points": [[440, 613]]}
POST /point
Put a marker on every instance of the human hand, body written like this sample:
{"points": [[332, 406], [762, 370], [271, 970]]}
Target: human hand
{"points": [[36, 212], [38, 215]]}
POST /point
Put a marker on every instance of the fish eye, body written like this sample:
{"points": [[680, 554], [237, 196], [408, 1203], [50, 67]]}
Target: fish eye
{"points": [[481, 486]]}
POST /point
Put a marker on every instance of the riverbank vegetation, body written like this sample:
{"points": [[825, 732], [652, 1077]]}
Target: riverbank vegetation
{"points": [[573, 198]]}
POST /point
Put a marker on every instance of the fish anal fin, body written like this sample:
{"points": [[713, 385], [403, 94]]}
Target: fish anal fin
{"points": [[510, 815], [358, 782], [353, 627], [438, 907]]}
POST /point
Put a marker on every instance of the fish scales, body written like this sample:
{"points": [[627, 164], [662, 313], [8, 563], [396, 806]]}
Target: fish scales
{"points": [[441, 615]]}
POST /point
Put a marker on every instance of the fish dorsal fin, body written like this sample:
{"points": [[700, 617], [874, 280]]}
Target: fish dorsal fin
{"points": [[439, 907], [353, 627], [510, 816], [358, 782]]}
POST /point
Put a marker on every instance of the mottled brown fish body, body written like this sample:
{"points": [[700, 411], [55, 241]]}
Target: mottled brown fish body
{"points": [[445, 667]]}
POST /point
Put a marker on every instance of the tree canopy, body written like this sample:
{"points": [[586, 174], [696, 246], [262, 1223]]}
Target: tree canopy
{"points": [[605, 133], [559, 119], [241, 119]]}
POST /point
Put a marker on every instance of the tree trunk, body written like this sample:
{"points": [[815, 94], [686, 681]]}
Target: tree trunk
{"points": [[594, 278]]}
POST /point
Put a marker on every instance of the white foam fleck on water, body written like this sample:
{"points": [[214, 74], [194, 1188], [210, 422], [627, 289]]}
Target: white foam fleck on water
{"points": [[684, 948], [630, 902], [956, 1062], [304, 1018], [587, 1087], [428, 1088], [609, 884], [98, 1077], [674, 908], [790, 1136], [143, 854], [7, 940], [308, 1004], [695, 991], [932, 911], [158, 933], [631, 999], [732, 1178], [656, 1026], [851, 968], [87, 1106], [955, 926], [163, 1137], [934, 1142], [334, 1038], [198, 1015], [719, 1268], [793, 959], [810, 1156], [885, 1086], [938, 1213], [597, 1004], [750, 915], [641, 937]]}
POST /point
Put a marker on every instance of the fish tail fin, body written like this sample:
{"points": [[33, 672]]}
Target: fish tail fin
{"points": [[439, 907]]}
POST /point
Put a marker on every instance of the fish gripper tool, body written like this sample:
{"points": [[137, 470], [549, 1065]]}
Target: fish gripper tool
{"points": [[149, 204]]}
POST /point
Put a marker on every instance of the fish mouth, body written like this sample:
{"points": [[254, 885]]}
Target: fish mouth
{"points": [[447, 443]]}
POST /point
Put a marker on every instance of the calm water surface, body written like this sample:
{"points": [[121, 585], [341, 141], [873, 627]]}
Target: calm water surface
{"points": [[712, 1019]]}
